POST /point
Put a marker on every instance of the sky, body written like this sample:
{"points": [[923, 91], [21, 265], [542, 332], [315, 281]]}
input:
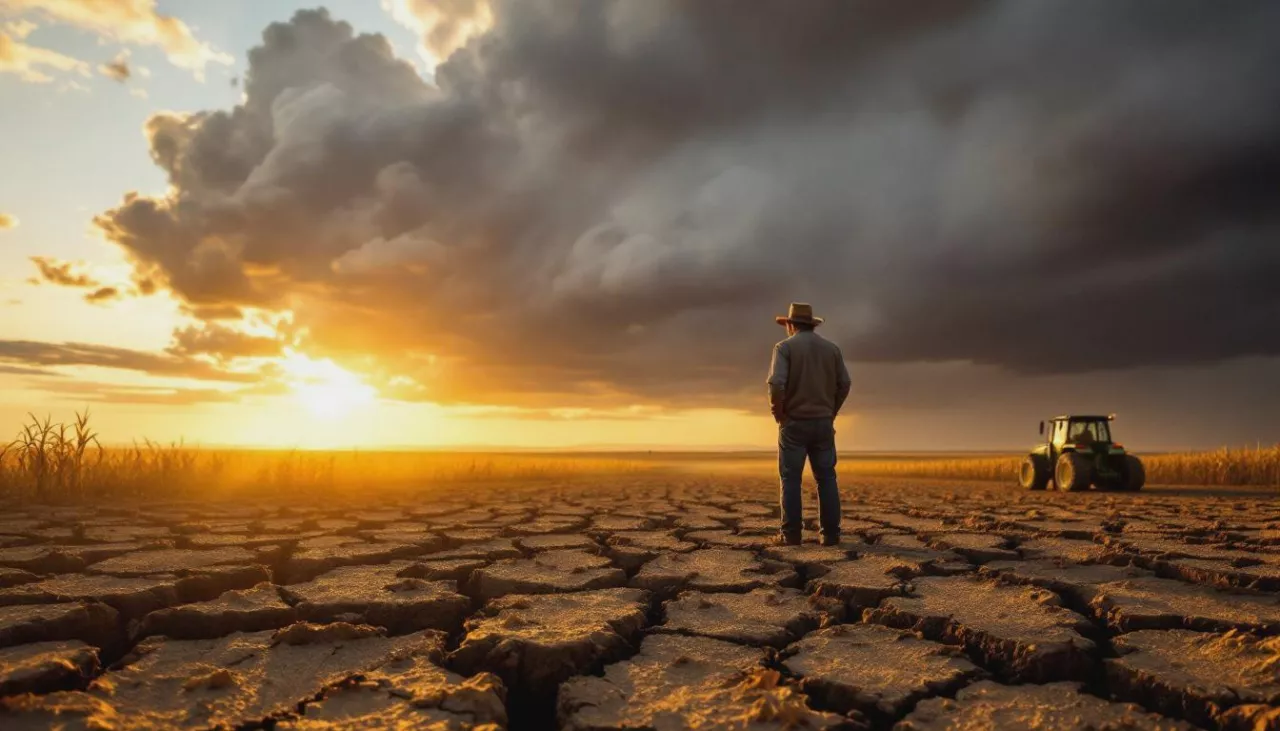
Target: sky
{"points": [[567, 223]]}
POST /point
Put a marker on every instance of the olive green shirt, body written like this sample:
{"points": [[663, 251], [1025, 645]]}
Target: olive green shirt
{"points": [[808, 378]]}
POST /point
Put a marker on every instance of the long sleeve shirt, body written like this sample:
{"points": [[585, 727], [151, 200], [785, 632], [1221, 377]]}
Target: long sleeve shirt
{"points": [[808, 378]]}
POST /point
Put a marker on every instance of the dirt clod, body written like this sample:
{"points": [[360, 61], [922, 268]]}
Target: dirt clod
{"points": [[43, 667], [1059, 706], [1198, 674], [1020, 632], [537, 642], [712, 569], [761, 617], [379, 595], [688, 682], [249, 610], [879, 671], [245, 678], [548, 572]]}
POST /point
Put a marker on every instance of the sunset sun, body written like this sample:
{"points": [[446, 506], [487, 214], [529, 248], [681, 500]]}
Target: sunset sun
{"points": [[326, 389]]}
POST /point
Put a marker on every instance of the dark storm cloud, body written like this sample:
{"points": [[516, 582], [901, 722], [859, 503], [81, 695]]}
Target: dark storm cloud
{"points": [[28, 353], [606, 201]]}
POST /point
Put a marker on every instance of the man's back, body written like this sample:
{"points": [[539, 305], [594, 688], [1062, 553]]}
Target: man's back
{"points": [[812, 372]]}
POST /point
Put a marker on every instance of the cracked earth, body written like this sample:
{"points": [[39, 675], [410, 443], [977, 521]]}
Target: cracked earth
{"points": [[646, 606]]}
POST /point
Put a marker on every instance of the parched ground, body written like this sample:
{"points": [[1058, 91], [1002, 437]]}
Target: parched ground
{"points": [[646, 605]]}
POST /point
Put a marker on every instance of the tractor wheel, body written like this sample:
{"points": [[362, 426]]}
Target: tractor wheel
{"points": [[1033, 473], [1135, 475], [1073, 472]]}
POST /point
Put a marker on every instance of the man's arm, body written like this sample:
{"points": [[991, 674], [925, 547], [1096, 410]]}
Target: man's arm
{"points": [[843, 382], [778, 382]]}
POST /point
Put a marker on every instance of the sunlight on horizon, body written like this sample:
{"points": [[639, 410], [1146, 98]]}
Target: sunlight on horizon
{"points": [[326, 389]]}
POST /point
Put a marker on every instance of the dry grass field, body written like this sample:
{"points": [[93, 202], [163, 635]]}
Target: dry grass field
{"points": [[64, 462]]}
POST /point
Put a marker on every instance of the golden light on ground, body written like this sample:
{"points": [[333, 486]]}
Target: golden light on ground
{"points": [[326, 389]]}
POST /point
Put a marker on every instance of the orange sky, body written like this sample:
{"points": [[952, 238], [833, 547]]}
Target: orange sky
{"points": [[474, 224]]}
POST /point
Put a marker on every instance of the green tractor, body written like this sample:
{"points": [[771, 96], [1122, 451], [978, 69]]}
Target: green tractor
{"points": [[1078, 452]]}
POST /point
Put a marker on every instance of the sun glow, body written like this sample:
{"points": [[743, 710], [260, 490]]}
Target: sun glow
{"points": [[325, 388]]}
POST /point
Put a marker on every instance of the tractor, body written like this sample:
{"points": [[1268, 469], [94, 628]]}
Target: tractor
{"points": [[1078, 452]]}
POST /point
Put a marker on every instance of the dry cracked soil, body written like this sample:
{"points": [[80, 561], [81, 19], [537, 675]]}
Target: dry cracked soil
{"points": [[646, 606]]}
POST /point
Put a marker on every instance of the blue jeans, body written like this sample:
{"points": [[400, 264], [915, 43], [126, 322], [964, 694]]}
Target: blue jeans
{"points": [[815, 439]]}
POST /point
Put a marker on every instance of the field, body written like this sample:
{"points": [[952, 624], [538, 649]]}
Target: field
{"points": [[166, 587], [64, 462]]}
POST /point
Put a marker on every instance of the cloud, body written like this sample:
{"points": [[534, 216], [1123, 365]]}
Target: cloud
{"points": [[102, 295], [8, 221], [19, 29], [21, 371], [443, 26], [604, 203], [72, 274], [224, 343], [32, 64], [63, 273], [27, 353], [127, 21], [109, 393], [117, 68], [380, 255]]}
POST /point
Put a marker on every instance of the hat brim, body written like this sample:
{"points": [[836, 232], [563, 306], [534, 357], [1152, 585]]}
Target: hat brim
{"points": [[783, 320]]}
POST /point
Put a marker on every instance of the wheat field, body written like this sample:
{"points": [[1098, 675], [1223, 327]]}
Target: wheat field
{"points": [[65, 462], [52, 461], [1222, 467]]}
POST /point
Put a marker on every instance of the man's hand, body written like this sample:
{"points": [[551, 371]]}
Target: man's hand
{"points": [[777, 398]]}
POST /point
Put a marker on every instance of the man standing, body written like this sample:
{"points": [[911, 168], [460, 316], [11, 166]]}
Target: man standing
{"points": [[808, 383]]}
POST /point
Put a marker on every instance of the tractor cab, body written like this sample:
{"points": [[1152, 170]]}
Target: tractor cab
{"points": [[1077, 433], [1079, 451]]}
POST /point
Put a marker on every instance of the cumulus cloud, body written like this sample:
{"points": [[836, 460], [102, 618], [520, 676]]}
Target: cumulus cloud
{"points": [[103, 295], [224, 343], [127, 21], [20, 28], [77, 275], [33, 64], [605, 202], [8, 221], [443, 26], [117, 68], [379, 255], [63, 273]]}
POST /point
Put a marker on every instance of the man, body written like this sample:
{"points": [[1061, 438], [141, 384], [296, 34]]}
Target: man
{"points": [[808, 383], [1082, 433]]}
